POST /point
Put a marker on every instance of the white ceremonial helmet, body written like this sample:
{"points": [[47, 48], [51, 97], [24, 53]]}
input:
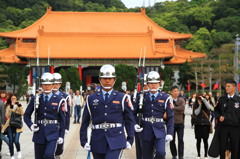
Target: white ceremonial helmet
{"points": [[47, 78], [107, 71], [153, 77], [57, 78]]}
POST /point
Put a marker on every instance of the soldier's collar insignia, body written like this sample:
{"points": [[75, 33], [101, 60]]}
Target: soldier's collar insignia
{"points": [[54, 104], [95, 102]]}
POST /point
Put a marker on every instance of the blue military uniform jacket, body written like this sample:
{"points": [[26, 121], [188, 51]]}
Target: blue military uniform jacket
{"points": [[51, 111], [116, 110], [67, 108], [156, 109]]}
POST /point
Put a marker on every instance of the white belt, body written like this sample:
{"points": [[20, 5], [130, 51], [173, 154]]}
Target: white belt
{"points": [[153, 120], [46, 121], [106, 125]]}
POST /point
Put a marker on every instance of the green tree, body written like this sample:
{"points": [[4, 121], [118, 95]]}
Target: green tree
{"points": [[166, 75], [17, 76], [201, 41], [64, 78], [73, 78], [185, 74], [127, 74]]}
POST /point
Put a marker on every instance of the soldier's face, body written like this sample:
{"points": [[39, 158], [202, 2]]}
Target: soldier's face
{"points": [[230, 88], [56, 86], [107, 82], [154, 87], [47, 87]]}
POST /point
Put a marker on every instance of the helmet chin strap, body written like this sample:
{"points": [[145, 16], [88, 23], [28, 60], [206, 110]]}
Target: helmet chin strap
{"points": [[107, 87], [55, 89], [47, 91], [50, 91], [154, 90]]}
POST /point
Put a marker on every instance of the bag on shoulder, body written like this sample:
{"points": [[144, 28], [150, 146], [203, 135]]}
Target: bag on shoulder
{"points": [[16, 120], [211, 128]]}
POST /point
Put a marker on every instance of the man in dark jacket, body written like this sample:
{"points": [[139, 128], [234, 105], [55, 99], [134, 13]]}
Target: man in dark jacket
{"points": [[178, 109], [227, 112]]}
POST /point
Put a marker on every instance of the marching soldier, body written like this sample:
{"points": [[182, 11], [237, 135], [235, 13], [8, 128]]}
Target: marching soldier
{"points": [[109, 112], [152, 132], [50, 124], [57, 78], [138, 144]]}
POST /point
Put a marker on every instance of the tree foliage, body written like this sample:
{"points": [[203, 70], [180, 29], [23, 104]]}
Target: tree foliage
{"points": [[17, 77], [71, 75], [125, 74]]}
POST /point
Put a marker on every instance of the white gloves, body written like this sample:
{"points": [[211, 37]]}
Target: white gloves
{"points": [[169, 138], [66, 131], [34, 127], [87, 147], [137, 128], [128, 146], [60, 140]]}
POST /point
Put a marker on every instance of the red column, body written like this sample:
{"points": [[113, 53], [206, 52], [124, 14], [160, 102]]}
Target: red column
{"points": [[51, 69], [88, 80], [30, 76], [80, 72]]}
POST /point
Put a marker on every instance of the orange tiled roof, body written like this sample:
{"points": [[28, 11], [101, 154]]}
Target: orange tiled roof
{"points": [[8, 55], [92, 46], [183, 55], [97, 22]]}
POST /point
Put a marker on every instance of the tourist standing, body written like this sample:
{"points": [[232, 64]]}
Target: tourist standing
{"points": [[202, 111], [178, 110], [13, 106], [78, 103]]}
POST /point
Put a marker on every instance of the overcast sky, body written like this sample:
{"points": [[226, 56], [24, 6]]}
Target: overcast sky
{"points": [[139, 3]]}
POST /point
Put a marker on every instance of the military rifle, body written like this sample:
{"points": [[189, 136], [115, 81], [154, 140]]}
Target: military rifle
{"points": [[141, 94], [37, 85], [136, 84]]}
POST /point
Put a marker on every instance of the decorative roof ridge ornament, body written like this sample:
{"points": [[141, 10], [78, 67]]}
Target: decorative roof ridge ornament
{"points": [[49, 9], [143, 10]]}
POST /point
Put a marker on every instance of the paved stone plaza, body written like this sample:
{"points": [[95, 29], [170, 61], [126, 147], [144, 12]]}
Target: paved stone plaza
{"points": [[73, 150]]}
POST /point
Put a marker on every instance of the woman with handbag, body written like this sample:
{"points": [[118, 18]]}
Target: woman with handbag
{"points": [[13, 125], [202, 110]]}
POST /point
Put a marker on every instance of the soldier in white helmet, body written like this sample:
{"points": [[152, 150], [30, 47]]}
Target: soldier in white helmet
{"points": [[49, 128], [57, 81], [152, 130], [110, 112]]}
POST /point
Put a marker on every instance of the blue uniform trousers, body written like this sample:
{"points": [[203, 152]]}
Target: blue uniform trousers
{"points": [[110, 154], [148, 148], [45, 151], [138, 146]]}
